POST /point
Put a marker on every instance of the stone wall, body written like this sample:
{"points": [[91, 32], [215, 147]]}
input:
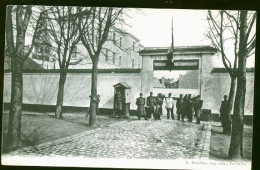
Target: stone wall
{"points": [[219, 85], [42, 88]]}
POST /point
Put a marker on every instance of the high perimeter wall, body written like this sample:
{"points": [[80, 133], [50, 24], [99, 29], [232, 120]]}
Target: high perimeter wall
{"points": [[218, 85], [42, 88]]}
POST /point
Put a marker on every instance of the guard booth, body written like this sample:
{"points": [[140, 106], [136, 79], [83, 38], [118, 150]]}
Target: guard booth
{"points": [[125, 90]]}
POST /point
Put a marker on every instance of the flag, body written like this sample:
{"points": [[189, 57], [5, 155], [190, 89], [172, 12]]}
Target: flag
{"points": [[171, 50]]}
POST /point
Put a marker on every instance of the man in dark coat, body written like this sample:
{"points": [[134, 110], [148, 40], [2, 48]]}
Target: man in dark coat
{"points": [[225, 117], [197, 107], [159, 103], [151, 104], [140, 102], [119, 104], [184, 110], [189, 108], [179, 106]]}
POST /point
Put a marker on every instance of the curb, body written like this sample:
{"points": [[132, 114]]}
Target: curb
{"points": [[206, 144]]}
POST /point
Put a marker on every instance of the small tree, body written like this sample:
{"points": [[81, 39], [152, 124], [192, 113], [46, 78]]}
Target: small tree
{"points": [[227, 27], [15, 48], [63, 32], [94, 29], [223, 30]]}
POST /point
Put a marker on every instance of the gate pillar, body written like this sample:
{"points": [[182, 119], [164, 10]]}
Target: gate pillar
{"points": [[147, 75]]}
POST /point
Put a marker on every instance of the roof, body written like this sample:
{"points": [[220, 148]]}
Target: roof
{"points": [[28, 64], [111, 71], [125, 32], [127, 86], [224, 70], [31, 65], [178, 49]]}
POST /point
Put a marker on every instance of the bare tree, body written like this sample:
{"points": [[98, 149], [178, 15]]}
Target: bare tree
{"points": [[246, 46], [222, 30], [94, 29], [63, 32], [18, 20], [225, 28]]}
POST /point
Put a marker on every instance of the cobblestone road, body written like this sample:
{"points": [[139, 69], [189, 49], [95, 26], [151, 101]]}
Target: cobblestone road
{"points": [[167, 139]]}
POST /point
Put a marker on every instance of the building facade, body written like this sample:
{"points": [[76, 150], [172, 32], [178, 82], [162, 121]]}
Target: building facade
{"points": [[121, 50]]}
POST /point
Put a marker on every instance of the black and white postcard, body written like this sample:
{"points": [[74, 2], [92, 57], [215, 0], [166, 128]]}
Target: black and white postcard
{"points": [[91, 86]]}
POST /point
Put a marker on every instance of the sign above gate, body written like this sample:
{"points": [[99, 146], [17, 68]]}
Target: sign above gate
{"points": [[176, 65]]}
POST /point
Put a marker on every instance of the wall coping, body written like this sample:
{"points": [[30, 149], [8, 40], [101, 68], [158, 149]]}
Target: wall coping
{"points": [[178, 50], [223, 70], [80, 71]]}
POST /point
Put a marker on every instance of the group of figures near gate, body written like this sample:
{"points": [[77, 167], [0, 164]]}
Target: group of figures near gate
{"points": [[186, 107]]}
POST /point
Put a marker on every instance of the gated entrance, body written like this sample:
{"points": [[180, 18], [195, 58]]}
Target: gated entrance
{"points": [[197, 58]]}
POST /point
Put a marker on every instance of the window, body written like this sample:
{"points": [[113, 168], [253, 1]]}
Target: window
{"points": [[120, 60], [106, 54], [133, 46], [114, 58], [38, 50], [120, 43], [114, 37], [74, 52], [133, 63]]}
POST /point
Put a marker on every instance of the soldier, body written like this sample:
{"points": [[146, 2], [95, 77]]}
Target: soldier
{"points": [[197, 107], [184, 110], [151, 104], [119, 104], [140, 102], [159, 103], [179, 106], [225, 117], [189, 108], [169, 106]]}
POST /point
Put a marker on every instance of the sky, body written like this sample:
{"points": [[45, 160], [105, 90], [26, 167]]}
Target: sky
{"points": [[153, 28]]}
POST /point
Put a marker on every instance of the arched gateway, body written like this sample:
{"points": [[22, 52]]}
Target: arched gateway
{"points": [[185, 58]]}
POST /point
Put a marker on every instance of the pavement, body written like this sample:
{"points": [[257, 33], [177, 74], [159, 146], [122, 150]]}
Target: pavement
{"points": [[163, 139]]}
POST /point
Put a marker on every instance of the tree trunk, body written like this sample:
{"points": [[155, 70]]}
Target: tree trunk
{"points": [[15, 114], [58, 113], [236, 144], [93, 103], [231, 95]]}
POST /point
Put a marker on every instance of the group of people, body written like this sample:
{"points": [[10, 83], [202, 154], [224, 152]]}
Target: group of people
{"points": [[154, 106], [186, 106]]}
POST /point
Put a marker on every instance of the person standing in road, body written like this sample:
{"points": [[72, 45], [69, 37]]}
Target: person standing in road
{"points": [[140, 102], [225, 117], [119, 104], [184, 108], [169, 106], [189, 108], [159, 103], [179, 105], [197, 107], [151, 104]]}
